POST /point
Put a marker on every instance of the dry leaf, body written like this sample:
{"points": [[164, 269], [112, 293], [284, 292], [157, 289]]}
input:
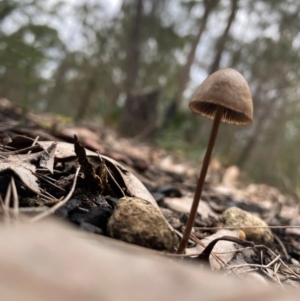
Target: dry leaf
{"points": [[21, 165], [132, 184], [184, 204], [47, 157]]}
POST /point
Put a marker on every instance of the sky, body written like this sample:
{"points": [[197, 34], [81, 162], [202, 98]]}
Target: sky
{"points": [[69, 30]]}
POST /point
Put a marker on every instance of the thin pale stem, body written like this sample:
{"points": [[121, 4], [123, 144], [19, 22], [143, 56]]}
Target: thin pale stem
{"points": [[197, 195]]}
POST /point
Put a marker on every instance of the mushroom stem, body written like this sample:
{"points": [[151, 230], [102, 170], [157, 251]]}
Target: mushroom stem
{"points": [[197, 195]]}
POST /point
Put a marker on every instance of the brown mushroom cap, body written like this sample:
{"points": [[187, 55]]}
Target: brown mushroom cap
{"points": [[226, 88]]}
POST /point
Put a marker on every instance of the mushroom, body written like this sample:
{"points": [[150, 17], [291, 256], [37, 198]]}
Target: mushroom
{"points": [[224, 96]]}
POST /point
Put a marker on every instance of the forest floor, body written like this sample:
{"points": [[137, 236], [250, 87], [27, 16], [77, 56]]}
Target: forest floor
{"points": [[171, 181]]}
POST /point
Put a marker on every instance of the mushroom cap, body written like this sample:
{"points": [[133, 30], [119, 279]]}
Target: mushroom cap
{"points": [[226, 88]]}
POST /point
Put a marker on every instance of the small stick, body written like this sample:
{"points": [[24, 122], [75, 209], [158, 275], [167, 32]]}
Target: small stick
{"points": [[15, 198], [60, 204], [34, 143]]}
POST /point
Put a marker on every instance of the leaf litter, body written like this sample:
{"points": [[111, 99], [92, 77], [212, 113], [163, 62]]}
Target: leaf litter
{"points": [[40, 178]]}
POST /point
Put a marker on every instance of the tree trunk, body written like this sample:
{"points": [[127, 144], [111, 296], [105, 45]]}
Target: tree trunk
{"points": [[140, 114], [258, 129], [252, 140], [209, 5], [134, 48], [86, 99], [184, 78], [55, 92], [220, 45]]}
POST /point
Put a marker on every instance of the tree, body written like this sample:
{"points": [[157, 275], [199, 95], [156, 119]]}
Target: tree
{"points": [[220, 44], [185, 75], [134, 48]]}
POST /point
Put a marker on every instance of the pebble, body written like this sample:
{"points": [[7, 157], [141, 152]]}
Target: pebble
{"points": [[236, 217], [137, 221]]}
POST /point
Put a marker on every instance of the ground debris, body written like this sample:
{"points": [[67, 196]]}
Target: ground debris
{"points": [[44, 172]]}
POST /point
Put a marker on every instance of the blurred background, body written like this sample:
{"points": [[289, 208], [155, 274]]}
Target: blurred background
{"points": [[134, 65]]}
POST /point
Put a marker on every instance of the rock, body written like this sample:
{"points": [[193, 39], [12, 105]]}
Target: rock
{"points": [[137, 221], [236, 217]]}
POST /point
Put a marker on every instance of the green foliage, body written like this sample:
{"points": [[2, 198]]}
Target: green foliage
{"points": [[6, 8], [42, 69], [179, 136], [24, 53]]}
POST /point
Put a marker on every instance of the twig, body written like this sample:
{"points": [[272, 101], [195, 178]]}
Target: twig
{"points": [[254, 264], [247, 227], [274, 279], [23, 150], [7, 196], [282, 262], [234, 251], [282, 246], [46, 195], [34, 143], [198, 241], [110, 175], [42, 169], [198, 253], [49, 181], [58, 205], [275, 272], [15, 198], [45, 176], [4, 209]]}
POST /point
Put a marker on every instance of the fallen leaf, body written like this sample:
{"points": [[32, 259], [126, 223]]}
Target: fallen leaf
{"points": [[184, 204], [47, 157], [21, 165]]}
